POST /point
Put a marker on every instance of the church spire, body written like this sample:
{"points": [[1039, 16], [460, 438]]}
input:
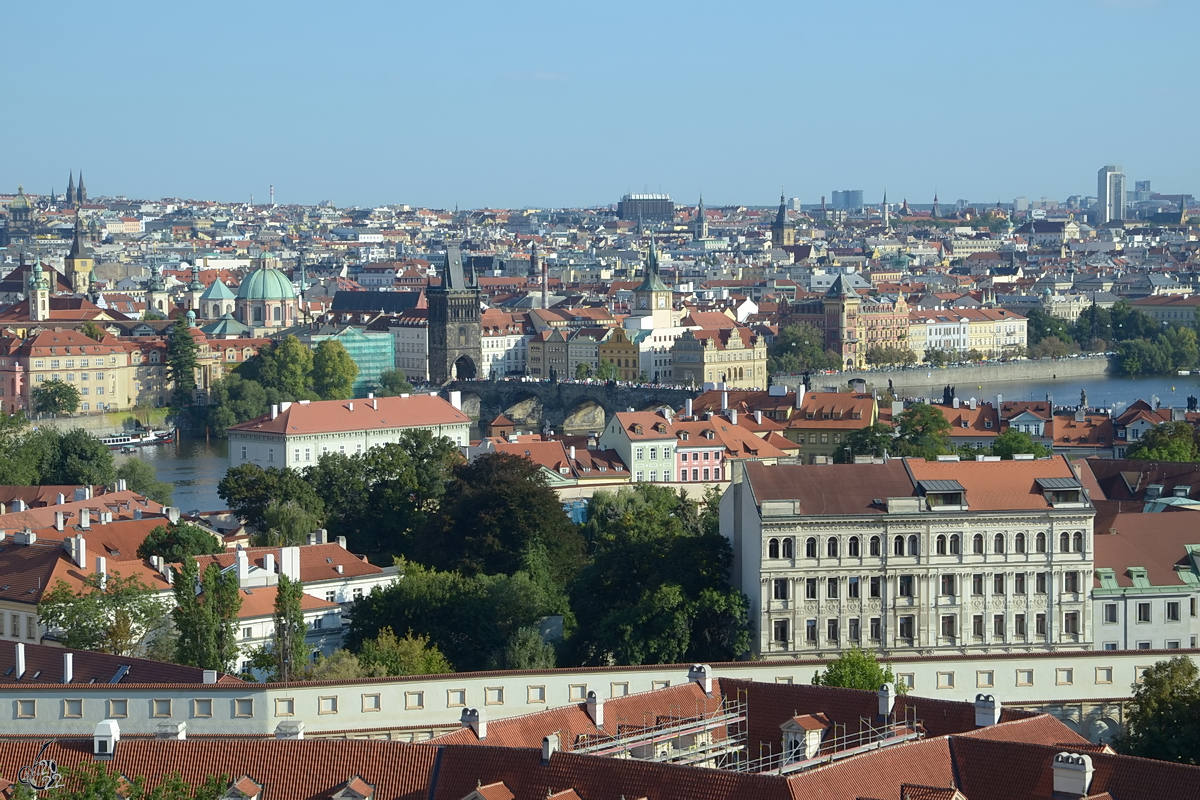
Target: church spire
{"points": [[71, 189], [887, 220], [936, 208], [80, 192]]}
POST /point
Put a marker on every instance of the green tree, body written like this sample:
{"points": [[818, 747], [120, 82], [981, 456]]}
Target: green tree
{"points": [[55, 397], [497, 507], [78, 457], [92, 331], [873, 440], [583, 371], [287, 523], [526, 650], [1170, 441], [285, 366], [140, 477], [177, 541], [922, 430], [1052, 347], [340, 665], [235, 399], [607, 371], [855, 669], [387, 654], [1041, 326], [181, 364], [799, 348], [393, 383], [1013, 441], [206, 615], [1142, 357], [286, 656], [109, 613], [249, 489], [1163, 720], [333, 371], [1180, 343]]}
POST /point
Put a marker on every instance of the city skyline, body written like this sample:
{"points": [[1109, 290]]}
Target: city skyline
{"points": [[548, 106]]}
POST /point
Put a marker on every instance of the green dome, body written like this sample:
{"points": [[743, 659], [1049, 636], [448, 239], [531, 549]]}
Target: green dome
{"points": [[266, 284]]}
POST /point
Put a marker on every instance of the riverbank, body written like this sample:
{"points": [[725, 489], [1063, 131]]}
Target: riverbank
{"points": [[101, 424], [921, 379]]}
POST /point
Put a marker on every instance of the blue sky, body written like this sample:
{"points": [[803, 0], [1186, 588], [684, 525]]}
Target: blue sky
{"points": [[558, 103]]}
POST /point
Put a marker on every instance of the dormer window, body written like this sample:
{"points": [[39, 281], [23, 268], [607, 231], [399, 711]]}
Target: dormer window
{"points": [[943, 495], [987, 423], [1061, 491], [637, 429]]}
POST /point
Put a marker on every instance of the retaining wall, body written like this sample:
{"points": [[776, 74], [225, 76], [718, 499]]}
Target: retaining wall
{"points": [[1031, 370]]}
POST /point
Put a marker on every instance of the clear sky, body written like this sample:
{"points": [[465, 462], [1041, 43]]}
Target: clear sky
{"points": [[564, 103]]}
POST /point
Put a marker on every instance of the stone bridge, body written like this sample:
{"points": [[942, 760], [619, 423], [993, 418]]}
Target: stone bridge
{"points": [[566, 407]]}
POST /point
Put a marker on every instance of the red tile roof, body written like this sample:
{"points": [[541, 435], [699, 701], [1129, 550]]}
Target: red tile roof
{"points": [[332, 416], [44, 665]]}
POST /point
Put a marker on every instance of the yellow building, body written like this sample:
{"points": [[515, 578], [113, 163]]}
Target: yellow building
{"points": [[80, 262], [618, 349], [735, 356]]}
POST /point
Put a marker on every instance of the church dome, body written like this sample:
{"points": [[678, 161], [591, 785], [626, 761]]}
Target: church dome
{"points": [[266, 284]]}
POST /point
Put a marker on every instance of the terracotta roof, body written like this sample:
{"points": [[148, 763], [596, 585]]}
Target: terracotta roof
{"points": [[1157, 542], [996, 485], [44, 665], [318, 562], [649, 421], [831, 489], [494, 791], [331, 416]]}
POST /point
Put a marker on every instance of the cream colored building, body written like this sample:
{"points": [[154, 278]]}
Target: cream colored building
{"points": [[734, 356]]}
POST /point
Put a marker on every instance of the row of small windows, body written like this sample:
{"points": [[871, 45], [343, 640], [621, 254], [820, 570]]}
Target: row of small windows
{"points": [[906, 627], [943, 545], [949, 586]]}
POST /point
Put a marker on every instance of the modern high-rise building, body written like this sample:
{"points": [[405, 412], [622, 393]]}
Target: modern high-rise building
{"points": [[847, 199], [1110, 194], [646, 207]]}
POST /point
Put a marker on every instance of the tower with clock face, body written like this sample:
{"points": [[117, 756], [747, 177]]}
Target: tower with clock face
{"points": [[653, 297]]}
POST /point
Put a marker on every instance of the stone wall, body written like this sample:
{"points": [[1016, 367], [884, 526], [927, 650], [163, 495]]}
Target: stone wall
{"points": [[924, 378]]}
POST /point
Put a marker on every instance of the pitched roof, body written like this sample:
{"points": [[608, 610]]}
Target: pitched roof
{"points": [[334, 416], [832, 489], [996, 485], [44, 665]]}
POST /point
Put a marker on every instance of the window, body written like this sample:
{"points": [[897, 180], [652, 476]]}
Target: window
{"points": [[1039, 622], [977, 626], [852, 547], [948, 585], [977, 583], [998, 626], [1064, 542], [779, 631], [160, 708], [358, 593], [1040, 543], [810, 588], [26, 709], [1019, 543], [1143, 612], [412, 700], [831, 547], [787, 548], [831, 588], [1110, 613], [831, 630], [949, 626], [535, 694], [998, 543], [247, 633], [810, 630], [1019, 583], [977, 544], [908, 679], [955, 544], [945, 680], [202, 707], [873, 629], [1192, 602], [853, 629], [243, 707], [985, 679], [118, 709], [998, 583], [1041, 583], [1077, 542], [1064, 676], [773, 548], [906, 626], [876, 589], [72, 709], [456, 698], [874, 546], [1104, 674], [331, 597], [1143, 645], [898, 546], [940, 546], [906, 586], [1019, 625], [1024, 677], [327, 704], [810, 547], [1071, 581], [852, 588], [1173, 611], [1172, 644], [913, 548], [780, 589]]}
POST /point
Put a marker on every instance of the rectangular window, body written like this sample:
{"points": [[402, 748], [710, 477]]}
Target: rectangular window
{"points": [[852, 588], [780, 587], [412, 700], [875, 587], [853, 629], [1172, 611], [160, 708], [945, 680], [985, 679], [831, 630], [977, 626], [810, 588], [202, 707], [535, 694], [998, 584], [874, 629], [456, 698], [493, 696], [906, 626], [949, 626], [1041, 583], [908, 679], [1071, 581], [998, 626], [1104, 674], [243, 707], [977, 583], [906, 585], [1024, 677], [72, 709], [118, 709], [1071, 622], [948, 585], [1064, 676], [1018, 624], [1143, 612], [577, 692], [1172, 644], [327, 704], [1110, 645], [1039, 622], [1110, 613], [26, 709], [810, 630], [831, 588]]}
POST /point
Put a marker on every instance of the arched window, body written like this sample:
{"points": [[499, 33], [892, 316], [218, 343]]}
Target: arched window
{"points": [[810, 547], [998, 543], [1064, 542], [898, 546], [278, 314], [216, 310], [941, 545], [912, 546], [1019, 543], [874, 546], [852, 546], [788, 544], [1040, 543], [977, 544], [831, 547], [1077, 543], [773, 548], [955, 544]]}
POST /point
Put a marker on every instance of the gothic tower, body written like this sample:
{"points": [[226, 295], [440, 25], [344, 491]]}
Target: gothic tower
{"points": [[80, 192], [782, 234], [936, 208], [80, 262], [841, 322], [653, 298], [455, 327], [71, 190], [700, 229]]}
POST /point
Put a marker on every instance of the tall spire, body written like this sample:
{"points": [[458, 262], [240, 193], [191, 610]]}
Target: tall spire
{"points": [[701, 227], [887, 220], [80, 192], [71, 189], [936, 208]]}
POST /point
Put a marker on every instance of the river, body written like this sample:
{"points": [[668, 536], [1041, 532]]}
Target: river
{"points": [[196, 466]]}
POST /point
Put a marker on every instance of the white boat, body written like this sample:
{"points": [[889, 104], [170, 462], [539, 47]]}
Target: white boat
{"points": [[145, 438]]}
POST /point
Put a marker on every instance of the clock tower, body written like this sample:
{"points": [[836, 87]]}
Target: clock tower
{"points": [[653, 298]]}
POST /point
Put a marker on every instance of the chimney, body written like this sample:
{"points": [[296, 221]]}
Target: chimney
{"points": [[59, 500], [122, 485], [341, 540], [274, 410], [210, 676], [243, 567], [595, 709], [18, 505], [85, 519], [340, 569], [999, 402], [456, 400], [572, 452], [758, 417], [172, 513], [68, 667], [955, 403], [269, 562], [800, 395], [887, 699], [171, 730], [974, 403], [102, 571], [104, 740], [374, 402], [350, 405], [701, 674], [1072, 774], [322, 536], [474, 719], [687, 407], [58, 519], [987, 710], [289, 730], [724, 401], [20, 670], [733, 416], [549, 747]]}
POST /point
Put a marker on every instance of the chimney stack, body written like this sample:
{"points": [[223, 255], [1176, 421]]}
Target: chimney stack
{"points": [[171, 730], [800, 390], [595, 709], [701, 674], [210, 676], [20, 669], [456, 400], [733, 416], [341, 540], [987, 710], [102, 571], [724, 401], [687, 407], [572, 452], [1072, 774], [68, 667], [758, 417], [59, 522], [475, 719], [85, 519], [274, 410], [549, 747], [887, 699], [269, 562]]}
